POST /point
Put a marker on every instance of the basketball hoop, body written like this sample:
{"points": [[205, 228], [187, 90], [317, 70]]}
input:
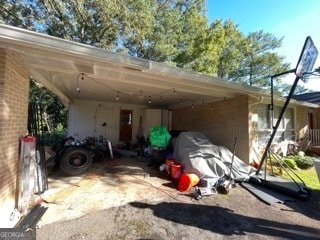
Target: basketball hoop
{"points": [[307, 59]]}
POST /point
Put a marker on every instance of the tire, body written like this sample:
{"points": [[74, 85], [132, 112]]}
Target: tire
{"points": [[59, 153], [75, 161]]}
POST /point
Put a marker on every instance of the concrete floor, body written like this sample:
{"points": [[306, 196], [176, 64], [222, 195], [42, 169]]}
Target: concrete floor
{"points": [[106, 185]]}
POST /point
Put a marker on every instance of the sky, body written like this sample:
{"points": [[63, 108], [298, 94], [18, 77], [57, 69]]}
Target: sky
{"points": [[293, 20]]}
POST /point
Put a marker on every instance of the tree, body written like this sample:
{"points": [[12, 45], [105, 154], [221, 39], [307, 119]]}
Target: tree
{"points": [[18, 13], [217, 50], [160, 30], [90, 22], [154, 29], [171, 31], [259, 60], [53, 113]]}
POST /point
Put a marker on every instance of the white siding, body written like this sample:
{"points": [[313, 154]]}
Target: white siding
{"points": [[86, 119], [150, 118], [166, 119], [155, 117]]}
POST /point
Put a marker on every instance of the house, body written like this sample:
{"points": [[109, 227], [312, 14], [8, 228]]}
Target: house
{"points": [[116, 96], [313, 126]]}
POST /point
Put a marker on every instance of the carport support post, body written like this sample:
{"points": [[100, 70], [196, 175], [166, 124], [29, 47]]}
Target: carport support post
{"points": [[275, 128]]}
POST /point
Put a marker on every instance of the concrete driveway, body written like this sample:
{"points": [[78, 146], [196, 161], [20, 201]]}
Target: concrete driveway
{"points": [[133, 201]]}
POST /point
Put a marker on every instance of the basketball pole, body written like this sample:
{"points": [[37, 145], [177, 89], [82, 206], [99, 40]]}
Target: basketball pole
{"points": [[275, 128], [305, 64]]}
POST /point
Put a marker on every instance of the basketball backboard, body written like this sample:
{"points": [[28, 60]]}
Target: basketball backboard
{"points": [[307, 59]]}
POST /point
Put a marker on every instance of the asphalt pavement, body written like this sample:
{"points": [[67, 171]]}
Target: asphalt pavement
{"points": [[133, 201]]}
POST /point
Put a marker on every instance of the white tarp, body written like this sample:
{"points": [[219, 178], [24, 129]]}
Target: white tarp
{"points": [[199, 156]]}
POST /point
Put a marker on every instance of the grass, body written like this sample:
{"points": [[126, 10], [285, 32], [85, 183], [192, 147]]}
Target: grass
{"points": [[309, 176], [301, 166]]}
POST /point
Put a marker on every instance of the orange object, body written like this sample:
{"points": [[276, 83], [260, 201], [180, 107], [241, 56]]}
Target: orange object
{"points": [[175, 171], [255, 164], [169, 162], [187, 181]]}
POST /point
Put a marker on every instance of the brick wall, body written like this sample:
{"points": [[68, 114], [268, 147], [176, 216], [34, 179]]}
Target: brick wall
{"points": [[221, 122], [14, 93]]}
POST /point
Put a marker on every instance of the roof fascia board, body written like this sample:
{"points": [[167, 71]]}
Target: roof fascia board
{"points": [[204, 78], [25, 37]]}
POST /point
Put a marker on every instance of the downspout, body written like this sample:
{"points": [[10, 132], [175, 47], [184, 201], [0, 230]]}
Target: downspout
{"points": [[260, 100]]}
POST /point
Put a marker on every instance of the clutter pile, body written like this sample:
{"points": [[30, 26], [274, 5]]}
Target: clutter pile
{"points": [[196, 164]]}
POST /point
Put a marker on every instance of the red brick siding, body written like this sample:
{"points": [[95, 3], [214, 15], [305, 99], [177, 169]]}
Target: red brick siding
{"points": [[221, 122], [14, 94]]}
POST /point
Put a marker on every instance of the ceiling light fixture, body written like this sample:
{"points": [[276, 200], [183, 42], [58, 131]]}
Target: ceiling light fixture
{"points": [[150, 100], [117, 97], [82, 78]]}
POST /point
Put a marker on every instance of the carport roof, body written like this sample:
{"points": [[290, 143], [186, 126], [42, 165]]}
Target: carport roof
{"points": [[65, 67]]}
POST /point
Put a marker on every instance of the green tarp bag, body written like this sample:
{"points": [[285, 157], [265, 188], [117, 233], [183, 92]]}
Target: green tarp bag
{"points": [[159, 136]]}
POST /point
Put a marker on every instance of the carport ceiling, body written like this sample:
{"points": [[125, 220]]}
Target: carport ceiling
{"points": [[76, 71]]}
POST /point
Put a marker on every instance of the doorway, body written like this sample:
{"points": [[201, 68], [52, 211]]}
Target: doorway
{"points": [[125, 134]]}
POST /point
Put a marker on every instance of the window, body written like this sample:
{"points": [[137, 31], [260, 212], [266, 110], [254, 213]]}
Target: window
{"points": [[266, 121]]}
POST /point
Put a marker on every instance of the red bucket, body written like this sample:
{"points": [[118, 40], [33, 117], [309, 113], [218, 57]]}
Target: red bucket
{"points": [[169, 162], [187, 181], [175, 171]]}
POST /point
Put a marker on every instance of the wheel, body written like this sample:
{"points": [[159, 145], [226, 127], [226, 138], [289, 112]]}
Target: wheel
{"points": [[75, 161], [59, 153]]}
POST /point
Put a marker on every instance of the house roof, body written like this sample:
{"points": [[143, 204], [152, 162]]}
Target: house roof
{"points": [[76, 71], [312, 97]]}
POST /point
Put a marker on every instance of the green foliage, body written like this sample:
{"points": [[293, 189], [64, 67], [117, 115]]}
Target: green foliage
{"points": [[53, 139], [291, 163], [259, 60], [162, 30], [172, 31], [304, 162], [54, 114], [212, 48]]}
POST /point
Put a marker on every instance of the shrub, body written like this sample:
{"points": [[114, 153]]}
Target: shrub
{"points": [[291, 163], [53, 140], [305, 162], [302, 162]]}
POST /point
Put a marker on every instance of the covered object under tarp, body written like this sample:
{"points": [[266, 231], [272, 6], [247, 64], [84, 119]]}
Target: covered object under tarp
{"points": [[199, 156]]}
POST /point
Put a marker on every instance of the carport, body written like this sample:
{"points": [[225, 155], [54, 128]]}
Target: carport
{"points": [[85, 77]]}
